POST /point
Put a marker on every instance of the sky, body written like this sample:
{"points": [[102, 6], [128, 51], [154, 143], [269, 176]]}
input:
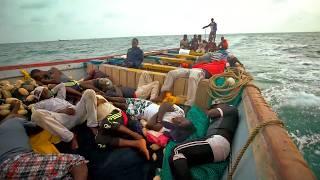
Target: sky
{"points": [[47, 20]]}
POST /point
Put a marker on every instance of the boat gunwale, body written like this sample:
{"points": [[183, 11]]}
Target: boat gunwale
{"points": [[72, 61]]}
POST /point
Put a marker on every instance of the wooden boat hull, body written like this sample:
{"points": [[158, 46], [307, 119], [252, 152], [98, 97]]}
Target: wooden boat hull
{"points": [[271, 155]]}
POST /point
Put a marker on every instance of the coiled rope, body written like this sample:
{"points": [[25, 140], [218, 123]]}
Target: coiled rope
{"points": [[250, 139], [226, 93]]}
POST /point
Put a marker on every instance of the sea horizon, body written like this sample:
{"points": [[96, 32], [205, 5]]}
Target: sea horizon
{"points": [[131, 36]]}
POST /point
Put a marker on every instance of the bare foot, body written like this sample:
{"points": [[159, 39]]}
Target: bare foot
{"points": [[144, 131], [94, 130], [142, 146], [160, 97], [100, 101], [74, 143]]}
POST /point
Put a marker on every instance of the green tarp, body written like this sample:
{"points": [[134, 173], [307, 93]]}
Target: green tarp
{"points": [[207, 171]]}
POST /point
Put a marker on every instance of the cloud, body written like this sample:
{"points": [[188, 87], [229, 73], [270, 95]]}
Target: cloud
{"points": [[50, 19]]}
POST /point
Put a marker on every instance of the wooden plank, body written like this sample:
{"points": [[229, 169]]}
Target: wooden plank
{"points": [[202, 96], [108, 71], [158, 67], [116, 76], [178, 87], [186, 88], [138, 74], [89, 68], [131, 79], [123, 77]]}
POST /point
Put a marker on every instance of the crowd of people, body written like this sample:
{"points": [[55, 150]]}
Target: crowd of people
{"points": [[110, 112], [199, 45]]}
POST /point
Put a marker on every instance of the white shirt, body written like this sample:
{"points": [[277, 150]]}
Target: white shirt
{"points": [[55, 103], [152, 109]]}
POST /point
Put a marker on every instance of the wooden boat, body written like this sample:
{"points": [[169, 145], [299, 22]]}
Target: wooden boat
{"points": [[271, 154]]}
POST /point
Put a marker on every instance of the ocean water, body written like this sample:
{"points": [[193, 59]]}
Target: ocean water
{"points": [[285, 66]]}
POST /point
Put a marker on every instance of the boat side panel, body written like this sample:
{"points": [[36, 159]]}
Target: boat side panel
{"points": [[123, 77], [247, 167], [133, 75], [275, 154]]}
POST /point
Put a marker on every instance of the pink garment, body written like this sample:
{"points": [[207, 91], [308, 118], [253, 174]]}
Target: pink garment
{"points": [[125, 118], [157, 138]]}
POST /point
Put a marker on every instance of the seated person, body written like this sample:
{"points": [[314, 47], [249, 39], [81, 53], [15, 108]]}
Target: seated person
{"points": [[134, 55], [215, 147], [194, 43], [18, 161], [56, 115], [211, 47], [202, 47], [147, 89], [223, 45], [184, 43]]}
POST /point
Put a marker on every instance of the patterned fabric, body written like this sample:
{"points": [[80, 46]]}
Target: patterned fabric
{"points": [[37, 166], [136, 107], [109, 124]]}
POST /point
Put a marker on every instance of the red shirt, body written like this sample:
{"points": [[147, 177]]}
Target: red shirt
{"points": [[225, 44], [214, 67]]}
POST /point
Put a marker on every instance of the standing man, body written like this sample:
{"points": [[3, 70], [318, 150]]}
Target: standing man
{"points": [[213, 26], [134, 55]]}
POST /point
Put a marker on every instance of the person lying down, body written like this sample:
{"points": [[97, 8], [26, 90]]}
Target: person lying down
{"points": [[58, 116], [166, 118], [18, 161], [100, 83], [215, 147]]}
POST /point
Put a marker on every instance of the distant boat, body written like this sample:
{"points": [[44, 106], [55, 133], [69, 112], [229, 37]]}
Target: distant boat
{"points": [[63, 40]]}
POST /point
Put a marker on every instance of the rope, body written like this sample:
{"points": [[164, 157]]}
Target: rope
{"points": [[205, 34], [225, 93], [250, 139]]}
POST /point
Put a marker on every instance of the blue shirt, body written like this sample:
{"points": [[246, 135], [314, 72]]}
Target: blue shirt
{"points": [[134, 57], [13, 138]]}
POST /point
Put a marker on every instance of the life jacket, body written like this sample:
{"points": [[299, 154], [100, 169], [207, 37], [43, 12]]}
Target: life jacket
{"points": [[215, 67]]}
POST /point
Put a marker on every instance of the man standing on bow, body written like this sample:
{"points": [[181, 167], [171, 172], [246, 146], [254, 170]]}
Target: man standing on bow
{"points": [[213, 26]]}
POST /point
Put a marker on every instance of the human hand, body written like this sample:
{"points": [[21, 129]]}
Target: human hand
{"points": [[69, 111], [50, 86], [15, 104]]}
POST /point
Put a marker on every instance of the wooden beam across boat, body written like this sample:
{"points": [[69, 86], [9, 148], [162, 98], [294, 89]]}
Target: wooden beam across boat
{"points": [[170, 60], [187, 56], [157, 67]]}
